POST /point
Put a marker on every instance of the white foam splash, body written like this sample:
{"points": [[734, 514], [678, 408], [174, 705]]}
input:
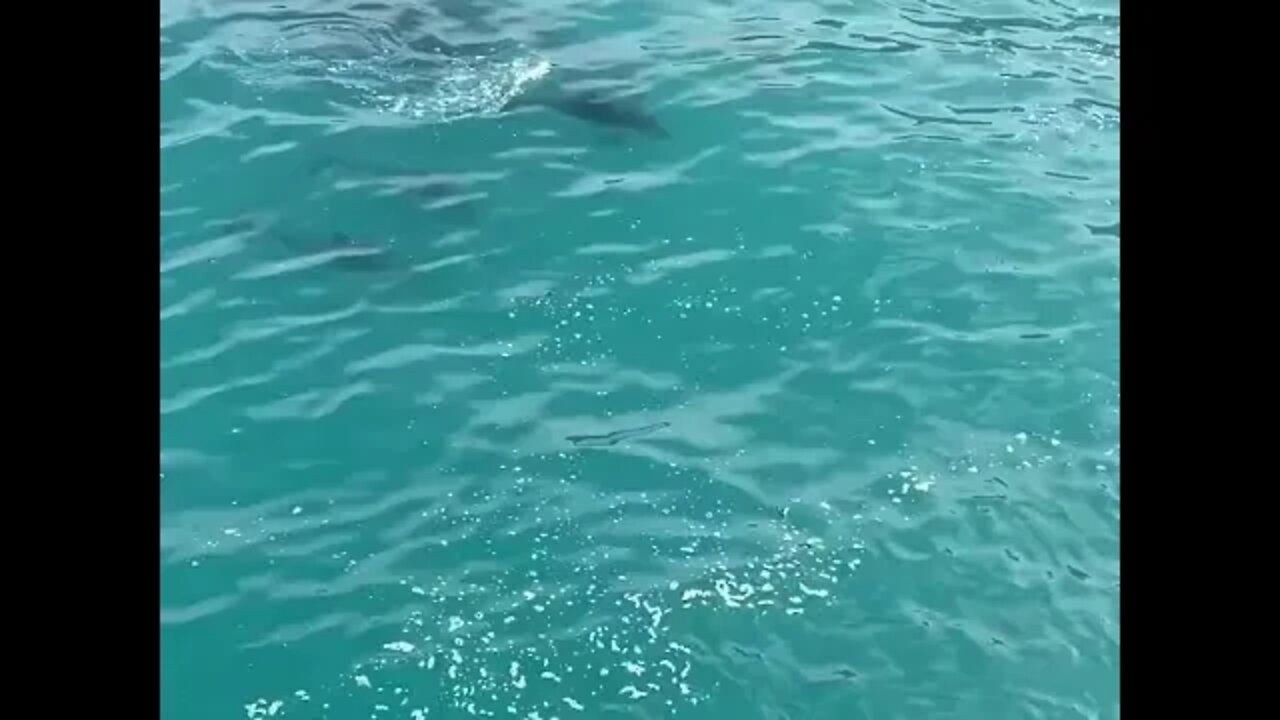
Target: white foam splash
{"points": [[378, 76], [467, 87]]}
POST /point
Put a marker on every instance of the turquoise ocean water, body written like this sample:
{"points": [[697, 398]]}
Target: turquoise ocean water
{"points": [[639, 359]]}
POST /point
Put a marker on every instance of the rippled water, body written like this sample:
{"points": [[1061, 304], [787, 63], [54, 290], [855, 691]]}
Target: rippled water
{"points": [[639, 358]]}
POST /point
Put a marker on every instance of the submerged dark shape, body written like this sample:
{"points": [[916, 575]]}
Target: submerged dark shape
{"points": [[616, 436], [358, 257], [483, 19], [342, 252], [596, 108], [602, 110]]}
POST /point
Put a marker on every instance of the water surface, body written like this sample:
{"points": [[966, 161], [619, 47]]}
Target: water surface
{"points": [[804, 407]]}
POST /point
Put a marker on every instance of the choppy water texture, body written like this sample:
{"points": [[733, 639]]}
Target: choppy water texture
{"points": [[639, 359]]}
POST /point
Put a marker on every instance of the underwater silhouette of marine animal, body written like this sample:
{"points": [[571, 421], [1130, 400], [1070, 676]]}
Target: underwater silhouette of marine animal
{"points": [[357, 257], [595, 108], [342, 252], [617, 436], [546, 89]]}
